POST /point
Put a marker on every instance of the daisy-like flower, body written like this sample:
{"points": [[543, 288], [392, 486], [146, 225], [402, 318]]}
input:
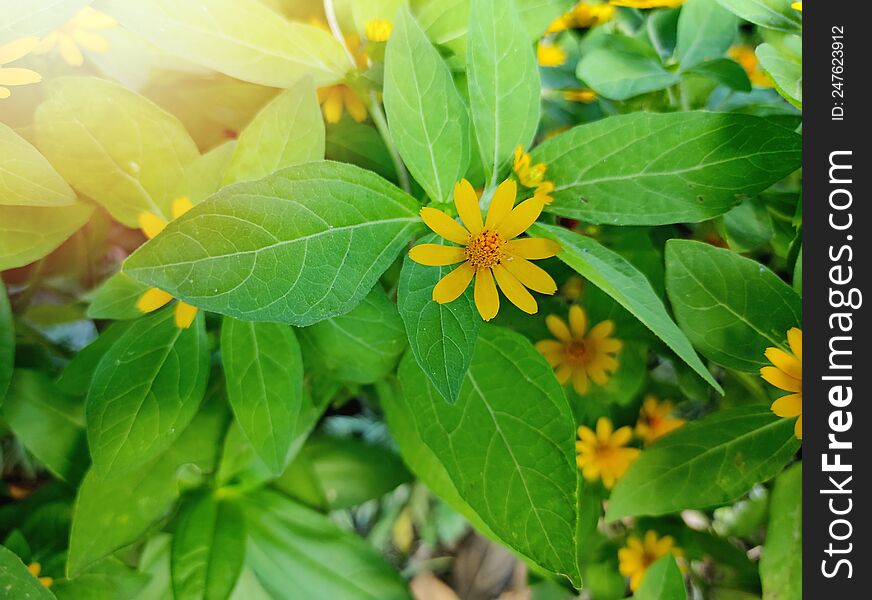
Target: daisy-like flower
{"points": [[532, 176], [550, 55], [578, 354], [648, 3], [16, 76], [797, 6], [378, 30], [488, 250], [746, 57], [336, 99], [35, 569], [787, 375], [154, 298], [585, 96], [656, 420], [638, 555], [603, 454], [77, 33], [591, 15]]}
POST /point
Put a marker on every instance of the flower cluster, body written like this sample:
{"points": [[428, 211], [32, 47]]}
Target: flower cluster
{"points": [[532, 176]]}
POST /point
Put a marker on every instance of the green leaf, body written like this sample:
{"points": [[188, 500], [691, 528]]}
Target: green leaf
{"points": [[613, 274], [108, 580], [705, 463], [624, 67], [7, 342], [298, 553], [748, 226], [732, 308], [361, 145], [208, 548], [116, 299], [781, 562], [537, 15], [145, 391], [76, 377], [705, 32], [18, 582], [441, 336], [28, 233], [655, 169], [503, 79], [111, 513], [263, 369], [772, 14], [288, 131], [298, 246], [445, 22], [26, 177], [114, 146], [784, 66], [361, 346], [724, 71], [662, 580], [427, 117], [48, 423], [245, 39], [507, 445], [205, 175]]}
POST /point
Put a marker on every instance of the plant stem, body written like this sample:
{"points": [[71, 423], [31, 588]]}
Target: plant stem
{"points": [[378, 117], [330, 13]]}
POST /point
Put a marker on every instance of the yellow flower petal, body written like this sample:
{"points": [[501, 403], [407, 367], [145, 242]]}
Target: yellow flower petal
{"points": [[466, 201], [487, 299], [151, 224], [502, 202], [788, 406], [794, 338], [514, 291], [580, 382], [436, 255], [180, 206], [780, 379], [577, 321], [91, 41], [4, 92], [603, 430], [355, 106], [601, 331], [444, 225], [185, 314], [46, 44], [563, 373], [152, 299], [17, 49], [16, 76], [70, 51], [530, 275], [622, 436], [533, 248], [797, 428], [558, 328], [784, 361], [550, 55], [454, 284], [520, 219], [378, 30], [333, 105]]}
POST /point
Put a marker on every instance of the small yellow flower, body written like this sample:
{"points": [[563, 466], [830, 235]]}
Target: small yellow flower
{"points": [[797, 6], [591, 15], [488, 250], [656, 420], [35, 568], [648, 3], [603, 454], [638, 555], [16, 76], [154, 298], [585, 96], [746, 57], [550, 55], [532, 176], [787, 375], [78, 33], [572, 288], [562, 23], [543, 192], [335, 98], [379, 30], [579, 354]]}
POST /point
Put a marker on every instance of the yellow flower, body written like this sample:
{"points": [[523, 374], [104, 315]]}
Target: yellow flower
{"points": [[585, 96], [379, 30], [572, 288], [16, 76], [154, 298], [488, 250], [579, 354], [550, 55], [35, 568], [787, 375], [591, 15], [543, 192], [638, 555], [648, 3], [77, 33], [336, 97], [746, 57], [602, 454], [532, 176], [656, 420], [797, 6], [562, 23]]}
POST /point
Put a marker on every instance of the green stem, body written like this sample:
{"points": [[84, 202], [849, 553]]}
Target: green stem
{"points": [[378, 117], [333, 23]]}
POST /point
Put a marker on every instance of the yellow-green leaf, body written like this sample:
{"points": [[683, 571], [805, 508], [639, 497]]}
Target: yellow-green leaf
{"points": [[26, 177], [27, 233]]}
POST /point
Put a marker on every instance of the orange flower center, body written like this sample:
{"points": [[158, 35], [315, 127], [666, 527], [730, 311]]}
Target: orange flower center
{"points": [[485, 249], [576, 350]]}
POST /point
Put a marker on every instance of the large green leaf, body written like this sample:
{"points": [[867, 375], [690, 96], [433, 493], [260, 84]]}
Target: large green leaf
{"points": [[624, 67], [241, 38], [613, 274], [296, 552], [507, 445], [781, 562], [109, 579], [731, 307], [653, 169], [427, 117], [705, 463], [145, 391], [26, 177], [503, 82], [76, 377], [28, 233], [286, 132], [208, 548], [772, 14], [298, 246], [48, 423], [784, 65], [264, 373], [116, 298], [18, 582], [705, 31], [111, 513], [663, 581], [7, 342], [113, 145]]}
